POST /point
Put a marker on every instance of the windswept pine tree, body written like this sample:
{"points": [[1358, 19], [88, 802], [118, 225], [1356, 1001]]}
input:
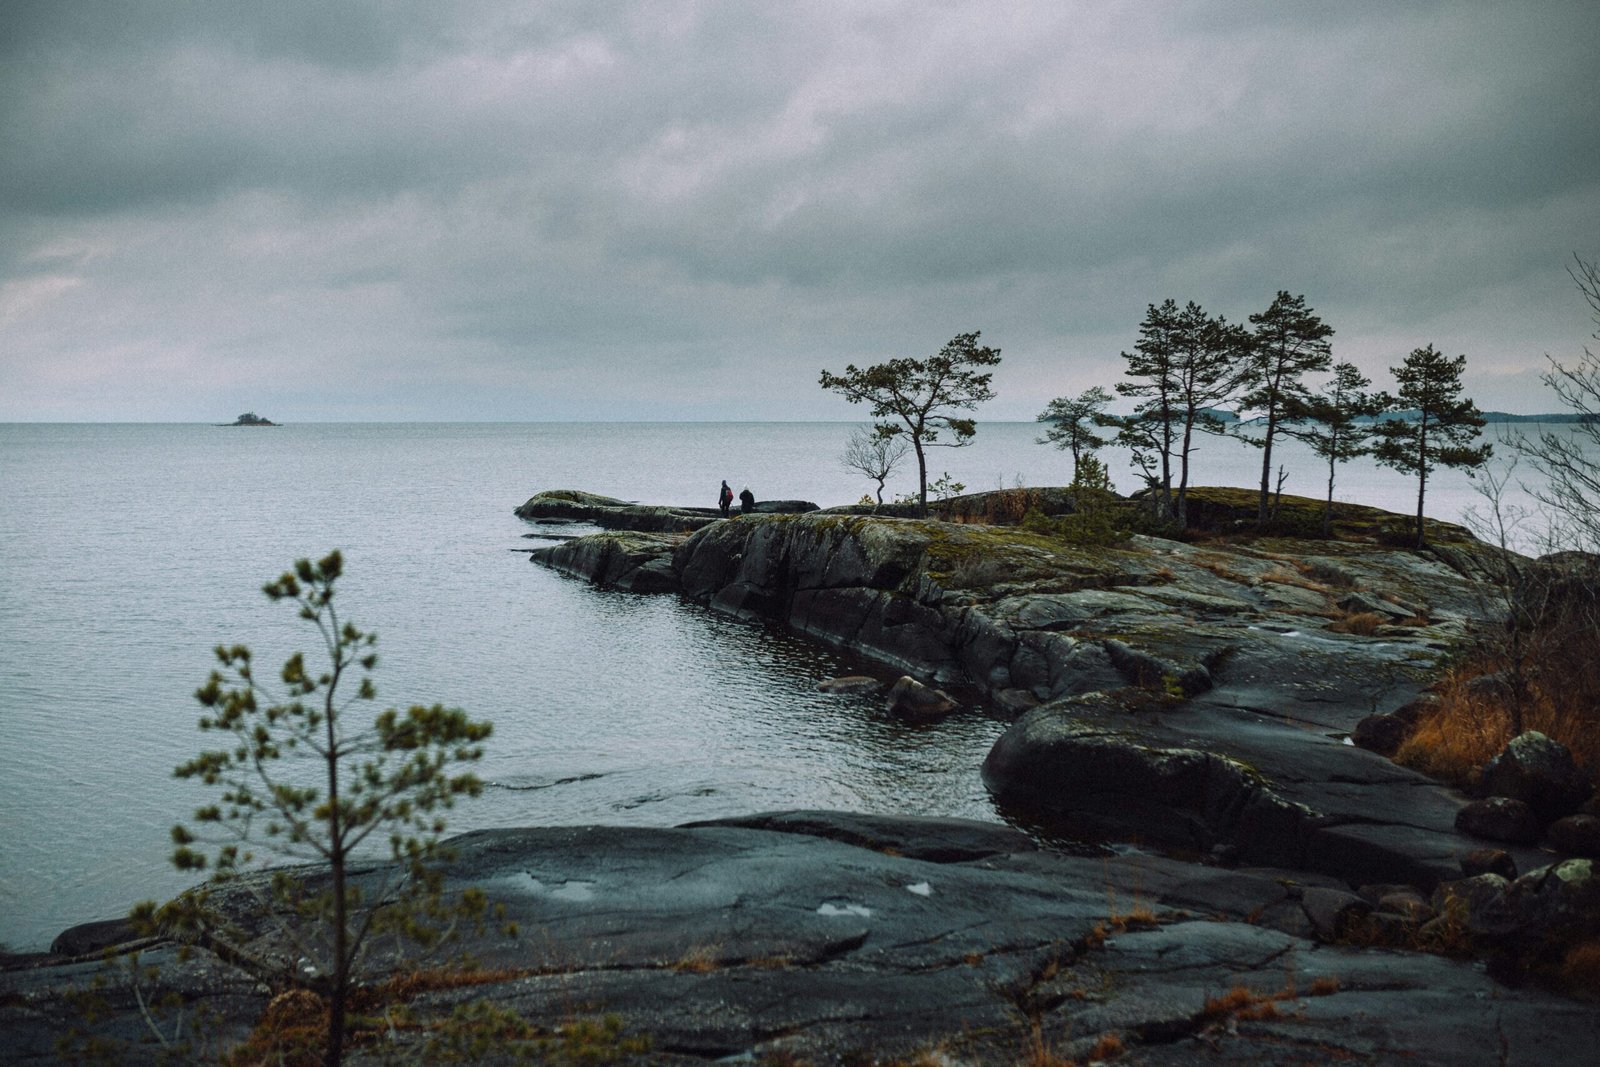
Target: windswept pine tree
{"points": [[1331, 421], [920, 397], [1445, 424], [1184, 364], [1290, 341], [1074, 422]]}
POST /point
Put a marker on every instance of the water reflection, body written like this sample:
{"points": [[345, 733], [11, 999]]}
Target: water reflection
{"points": [[706, 717]]}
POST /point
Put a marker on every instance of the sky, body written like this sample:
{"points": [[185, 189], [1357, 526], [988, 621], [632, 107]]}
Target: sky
{"points": [[524, 211]]}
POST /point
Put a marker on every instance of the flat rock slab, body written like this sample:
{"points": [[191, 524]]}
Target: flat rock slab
{"points": [[834, 938]]}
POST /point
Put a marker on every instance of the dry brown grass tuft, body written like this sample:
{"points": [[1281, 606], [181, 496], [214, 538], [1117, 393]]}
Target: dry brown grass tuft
{"points": [[1037, 1053], [1466, 730], [1242, 1002], [1109, 1047], [404, 987], [1580, 970], [1362, 623], [1284, 576], [702, 959], [292, 1032]]}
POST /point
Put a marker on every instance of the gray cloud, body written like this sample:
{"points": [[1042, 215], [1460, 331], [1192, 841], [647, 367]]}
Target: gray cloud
{"points": [[498, 210]]}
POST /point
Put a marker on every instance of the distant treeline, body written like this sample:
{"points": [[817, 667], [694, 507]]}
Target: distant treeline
{"points": [[1413, 415]]}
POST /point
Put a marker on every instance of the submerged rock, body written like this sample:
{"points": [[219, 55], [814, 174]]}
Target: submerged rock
{"points": [[910, 699]]}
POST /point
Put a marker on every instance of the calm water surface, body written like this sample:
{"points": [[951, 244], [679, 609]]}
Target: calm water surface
{"points": [[131, 550]]}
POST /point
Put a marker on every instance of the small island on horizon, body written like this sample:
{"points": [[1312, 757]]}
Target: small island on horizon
{"points": [[249, 418]]}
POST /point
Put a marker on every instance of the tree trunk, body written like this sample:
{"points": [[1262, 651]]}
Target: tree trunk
{"points": [[922, 476], [1422, 470], [1182, 512], [1327, 509], [1266, 466], [334, 1055]]}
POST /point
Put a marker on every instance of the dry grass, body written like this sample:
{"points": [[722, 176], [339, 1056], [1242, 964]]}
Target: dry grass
{"points": [[1466, 730], [404, 987], [1036, 1052], [702, 959], [1325, 986], [1284, 576], [1580, 970], [1243, 1003], [1109, 1047], [292, 1032], [1362, 623]]}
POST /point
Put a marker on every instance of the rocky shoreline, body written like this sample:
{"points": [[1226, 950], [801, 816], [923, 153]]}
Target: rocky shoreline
{"points": [[1267, 890]]}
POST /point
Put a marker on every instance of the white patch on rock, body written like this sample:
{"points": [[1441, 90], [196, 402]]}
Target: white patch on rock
{"points": [[921, 889], [846, 909]]}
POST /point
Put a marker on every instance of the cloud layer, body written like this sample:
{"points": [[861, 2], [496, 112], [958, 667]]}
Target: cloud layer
{"points": [[387, 210]]}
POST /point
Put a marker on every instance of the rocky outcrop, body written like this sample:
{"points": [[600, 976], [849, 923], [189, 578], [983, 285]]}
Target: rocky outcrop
{"points": [[822, 937], [1200, 697], [572, 505]]}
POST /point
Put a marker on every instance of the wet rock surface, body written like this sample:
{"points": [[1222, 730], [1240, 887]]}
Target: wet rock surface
{"points": [[835, 938], [1198, 699]]}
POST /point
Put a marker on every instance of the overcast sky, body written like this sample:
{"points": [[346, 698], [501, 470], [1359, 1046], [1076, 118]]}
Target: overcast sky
{"points": [[549, 210]]}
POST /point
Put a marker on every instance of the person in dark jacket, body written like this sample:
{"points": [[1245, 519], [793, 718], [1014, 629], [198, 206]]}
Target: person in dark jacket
{"points": [[747, 500], [724, 498]]}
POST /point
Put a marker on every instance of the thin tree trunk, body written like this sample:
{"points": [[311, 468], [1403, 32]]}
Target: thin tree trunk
{"points": [[1266, 465], [336, 859], [1327, 509], [1183, 482], [1422, 471], [922, 477]]}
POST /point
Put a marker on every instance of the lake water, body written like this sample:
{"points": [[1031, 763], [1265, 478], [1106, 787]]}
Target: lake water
{"points": [[131, 550]]}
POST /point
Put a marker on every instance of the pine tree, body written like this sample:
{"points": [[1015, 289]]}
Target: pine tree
{"points": [[1444, 427], [920, 397], [1184, 364], [1290, 342], [1330, 421], [302, 776], [1073, 422]]}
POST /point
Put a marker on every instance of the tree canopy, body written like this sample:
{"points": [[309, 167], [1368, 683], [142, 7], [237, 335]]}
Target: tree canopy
{"points": [[922, 397], [1183, 364], [1074, 422], [1290, 341], [1330, 421], [1444, 426]]}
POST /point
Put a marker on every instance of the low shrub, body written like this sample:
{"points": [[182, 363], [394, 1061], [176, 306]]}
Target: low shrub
{"points": [[1468, 728]]}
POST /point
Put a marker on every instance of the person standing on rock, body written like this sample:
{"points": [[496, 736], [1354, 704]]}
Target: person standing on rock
{"points": [[747, 500], [725, 498]]}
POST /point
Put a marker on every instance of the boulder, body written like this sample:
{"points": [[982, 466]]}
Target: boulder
{"points": [[1500, 819], [1558, 904], [1333, 912], [910, 699], [783, 507], [1577, 835], [1382, 733], [849, 683], [1408, 903], [1480, 906], [1053, 765], [1015, 702], [1489, 861], [1541, 773], [85, 938], [636, 562]]}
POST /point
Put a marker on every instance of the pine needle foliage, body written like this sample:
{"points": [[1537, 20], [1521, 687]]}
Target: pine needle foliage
{"points": [[302, 776]]}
